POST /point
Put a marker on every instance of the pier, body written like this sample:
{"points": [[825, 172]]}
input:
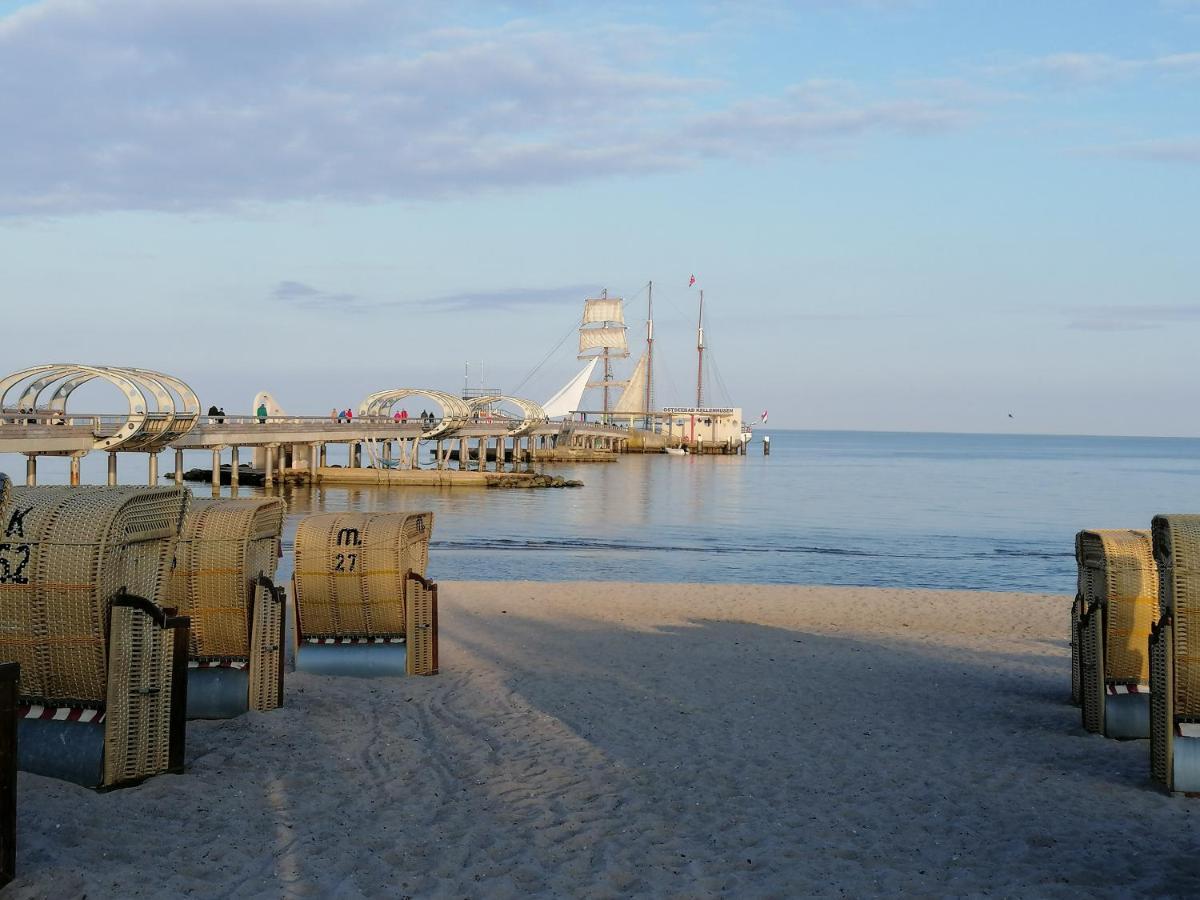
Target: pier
{"points": [[163, 414]]}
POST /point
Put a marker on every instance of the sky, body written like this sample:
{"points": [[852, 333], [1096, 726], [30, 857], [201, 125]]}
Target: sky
{"points": [[904, 214]]}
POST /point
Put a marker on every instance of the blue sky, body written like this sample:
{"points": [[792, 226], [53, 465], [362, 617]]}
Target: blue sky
{"points": [[905, 215]]}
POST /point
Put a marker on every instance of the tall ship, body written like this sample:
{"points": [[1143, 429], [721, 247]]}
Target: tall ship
{"points": [[630, 401]]}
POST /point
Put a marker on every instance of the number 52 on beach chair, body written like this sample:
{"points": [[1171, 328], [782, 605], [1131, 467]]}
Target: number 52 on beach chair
{"points": [[363, 604], [102, 684]]}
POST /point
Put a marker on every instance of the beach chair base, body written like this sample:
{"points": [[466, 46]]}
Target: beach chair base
{"points": [[1127, 716], [356, 660], [71, 751], [218, 692], [1187, 765]]}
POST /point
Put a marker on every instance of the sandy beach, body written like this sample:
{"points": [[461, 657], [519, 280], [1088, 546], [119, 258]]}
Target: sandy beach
{"points": [[609, 740]]}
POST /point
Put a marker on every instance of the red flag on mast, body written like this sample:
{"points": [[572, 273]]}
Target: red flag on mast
{"points": [[691, 281]]}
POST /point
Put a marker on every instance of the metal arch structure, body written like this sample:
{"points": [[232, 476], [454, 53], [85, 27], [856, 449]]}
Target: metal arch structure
{"points": [[161, 408], [532, 414], [455, 411]]}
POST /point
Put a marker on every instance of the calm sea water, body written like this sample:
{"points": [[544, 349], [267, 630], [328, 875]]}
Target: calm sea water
{"points": [[995, 512]]}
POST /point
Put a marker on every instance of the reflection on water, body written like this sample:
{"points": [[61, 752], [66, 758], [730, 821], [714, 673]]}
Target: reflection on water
{"points": [[918, 510]]}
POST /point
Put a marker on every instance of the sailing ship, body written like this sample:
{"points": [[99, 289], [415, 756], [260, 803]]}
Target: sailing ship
{"points": [[602, 339]]}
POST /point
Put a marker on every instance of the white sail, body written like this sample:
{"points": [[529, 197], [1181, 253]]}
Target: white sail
{"points": [[603, 309], [568, 399], [613, 338], [633, 399]]}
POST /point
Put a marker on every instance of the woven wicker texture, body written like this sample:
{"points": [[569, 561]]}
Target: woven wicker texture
{"points": [[1117, 572], [266, 647], [224, 546], [1091, 670], [350, 570], [137, 724], [421, 613], [1162, 716], [1076, 615], [1177, 550], [66, 551]]}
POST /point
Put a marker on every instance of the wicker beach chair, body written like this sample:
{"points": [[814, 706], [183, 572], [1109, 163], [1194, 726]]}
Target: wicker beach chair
{"points": [[1175, 656], [103, 683], [1118, 603], [363, 605], [224, 582]]}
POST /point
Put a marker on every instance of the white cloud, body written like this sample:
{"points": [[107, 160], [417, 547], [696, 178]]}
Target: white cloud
{"points": [[213, 104], [1089, 68]]}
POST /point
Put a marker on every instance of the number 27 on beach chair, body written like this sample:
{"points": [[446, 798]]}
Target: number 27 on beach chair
{"points": [[363, 604]]}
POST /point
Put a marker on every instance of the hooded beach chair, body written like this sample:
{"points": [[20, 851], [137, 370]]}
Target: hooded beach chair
{"points": [[103, 665], [1175, 656], [224, 582], [1118, 603], [363, 604]]}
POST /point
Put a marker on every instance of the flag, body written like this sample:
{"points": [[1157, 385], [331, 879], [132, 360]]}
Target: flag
{"points": [[691, 281], [763, 418]]}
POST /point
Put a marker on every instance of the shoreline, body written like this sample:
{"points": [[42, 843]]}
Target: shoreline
{"points": [[609, 739]]}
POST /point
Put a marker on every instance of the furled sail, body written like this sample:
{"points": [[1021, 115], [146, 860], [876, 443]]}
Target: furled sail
{"points": [[603, 309], [568, 399], [633, 399], [610, 337]]}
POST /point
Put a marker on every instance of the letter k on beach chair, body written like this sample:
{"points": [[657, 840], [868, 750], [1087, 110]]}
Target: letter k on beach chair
{"points": [[224, 581], [103, 684], [1118, 597], [363, 605], [1175, 656]]}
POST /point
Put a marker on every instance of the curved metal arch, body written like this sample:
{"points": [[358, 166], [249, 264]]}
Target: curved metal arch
{"points": [[532, 414], [455, 411], [161, 408]]}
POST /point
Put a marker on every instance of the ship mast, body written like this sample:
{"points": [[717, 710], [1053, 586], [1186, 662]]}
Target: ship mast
{"points": [[700, 354], [649, 354], [603, 330]]}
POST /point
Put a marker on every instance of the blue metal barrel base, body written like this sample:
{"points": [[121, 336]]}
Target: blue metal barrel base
{"points": [[356, 660], [217, 692], [72, 751], [1187, 765], [1127, 716]]}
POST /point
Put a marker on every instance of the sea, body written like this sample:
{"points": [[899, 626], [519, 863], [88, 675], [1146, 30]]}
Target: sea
{"points": [[886, 509]]}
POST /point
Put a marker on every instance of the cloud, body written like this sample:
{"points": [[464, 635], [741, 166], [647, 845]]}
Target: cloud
{"points": [[1181, 150], [1091, 68], [1131, 318], [304, 297], [201, 105], [510, 298]]}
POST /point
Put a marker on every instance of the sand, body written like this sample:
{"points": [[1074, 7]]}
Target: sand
{"points": [[609, 740]]}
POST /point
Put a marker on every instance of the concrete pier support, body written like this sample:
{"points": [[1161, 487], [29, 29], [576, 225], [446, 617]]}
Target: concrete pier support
{"points": [[74, 470], [31, 470], [233, 466], [283, 462], [321, 459], [112, 469], [437, 452], [178, 467], [462, 453], [152, 474], [216, 469], [269, 466], [355, 455], [314, 451]]}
